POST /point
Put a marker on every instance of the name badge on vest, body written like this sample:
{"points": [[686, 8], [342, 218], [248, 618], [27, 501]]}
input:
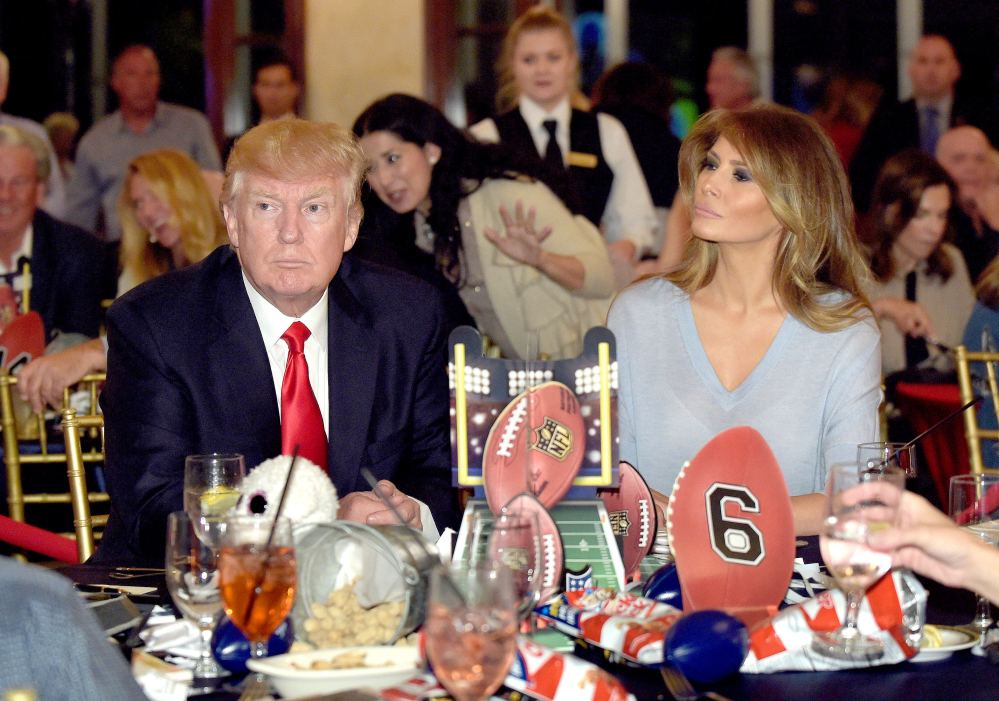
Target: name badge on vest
{"points": [[582, 160]]}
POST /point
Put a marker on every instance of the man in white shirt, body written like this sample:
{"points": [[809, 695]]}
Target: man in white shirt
{"points": [[278, 343]]}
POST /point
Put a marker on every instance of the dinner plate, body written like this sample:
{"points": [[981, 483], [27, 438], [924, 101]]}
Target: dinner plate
{"points": [[954, 639]]}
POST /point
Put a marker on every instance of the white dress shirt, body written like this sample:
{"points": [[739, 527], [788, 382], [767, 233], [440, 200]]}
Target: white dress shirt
{"points": [[629, 213], [24, 251], [273, 324]]}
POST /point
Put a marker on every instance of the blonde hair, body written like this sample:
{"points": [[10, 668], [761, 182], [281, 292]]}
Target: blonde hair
{"points": [[987, 287], [15, 136], [296, 149], [537, 19], [800, 174], [176, 180]]}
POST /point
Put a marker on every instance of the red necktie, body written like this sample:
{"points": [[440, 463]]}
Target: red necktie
{"points": [[301, 420]]}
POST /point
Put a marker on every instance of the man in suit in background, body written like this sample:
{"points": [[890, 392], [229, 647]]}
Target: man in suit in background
{"points": [[275, 342], [918, 122], [67, 265]]}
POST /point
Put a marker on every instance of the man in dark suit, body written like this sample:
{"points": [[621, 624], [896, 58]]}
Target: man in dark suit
{"points": [[917, 122], [279, 342], [67, 265]]}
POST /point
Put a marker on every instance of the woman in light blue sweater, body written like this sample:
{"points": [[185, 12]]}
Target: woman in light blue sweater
{"points": [[764, 324]]}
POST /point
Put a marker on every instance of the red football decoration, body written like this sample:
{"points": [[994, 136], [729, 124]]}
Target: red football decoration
{"points": [[632, 515], [552, 554], [536, 444], [729, 524]]}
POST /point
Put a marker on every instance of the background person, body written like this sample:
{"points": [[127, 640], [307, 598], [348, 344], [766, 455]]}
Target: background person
{"points": [[764, 323]]}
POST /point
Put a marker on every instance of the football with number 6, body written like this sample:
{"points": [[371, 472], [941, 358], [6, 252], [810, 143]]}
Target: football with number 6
{"points": [[730, 526]]}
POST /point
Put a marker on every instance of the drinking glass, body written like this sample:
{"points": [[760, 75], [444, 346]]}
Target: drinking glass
{"points": [[512, 539], [193, 582], [257, 576], [859, 501], [887, 454], [471, 628], [211, 488], [974, 504]]}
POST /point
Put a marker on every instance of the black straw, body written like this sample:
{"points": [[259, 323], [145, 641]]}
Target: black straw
{"points": [[941, 422]]}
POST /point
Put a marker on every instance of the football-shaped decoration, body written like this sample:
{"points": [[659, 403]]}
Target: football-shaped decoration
{"points": [[552, 554], [729, 524], [707, 645], [536, 444], [664, 586], [632, 515]]}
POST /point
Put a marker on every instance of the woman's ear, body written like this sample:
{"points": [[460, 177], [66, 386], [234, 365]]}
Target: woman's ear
{"points": [[432, 152]]}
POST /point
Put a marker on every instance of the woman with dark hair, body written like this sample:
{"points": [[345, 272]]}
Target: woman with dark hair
{"points": [[764, 323], [527, 269], [921, 290]]}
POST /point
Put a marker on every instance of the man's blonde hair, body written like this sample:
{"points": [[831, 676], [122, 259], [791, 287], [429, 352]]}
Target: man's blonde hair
{"points": [[801, 176], [296, 150]]}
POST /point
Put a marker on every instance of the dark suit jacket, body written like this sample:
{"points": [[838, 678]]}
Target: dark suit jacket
{"points": [[68, 269], [188, 373], [894, 127]]}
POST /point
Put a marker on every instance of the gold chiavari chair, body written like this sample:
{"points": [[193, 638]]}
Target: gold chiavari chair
{"points": [[974, 433], [29, 450], [76, 464]]}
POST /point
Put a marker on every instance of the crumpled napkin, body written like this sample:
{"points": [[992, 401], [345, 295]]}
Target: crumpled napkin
{"points": [[174, 636]]}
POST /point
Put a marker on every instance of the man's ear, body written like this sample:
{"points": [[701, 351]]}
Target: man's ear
{"points": [[354, 216], [231, 225]]}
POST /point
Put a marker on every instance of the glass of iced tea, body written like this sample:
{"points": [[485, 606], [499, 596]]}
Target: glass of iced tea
{"points": [[257, 576], [471, 628]]}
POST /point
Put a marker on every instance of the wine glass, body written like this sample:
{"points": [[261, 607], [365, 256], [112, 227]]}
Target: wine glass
{"points": [[888, 454], [512, 539], [860, 500], [974, 504], [211, 488], [193, 582], [257, 577], [471, 628]]}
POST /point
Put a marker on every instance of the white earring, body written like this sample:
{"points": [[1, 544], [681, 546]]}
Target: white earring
{"points": [[152, 238]]}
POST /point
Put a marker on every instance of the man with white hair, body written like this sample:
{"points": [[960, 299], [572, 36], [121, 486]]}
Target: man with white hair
{"points": [[935, 106], [142, 123], [966, 155], [733, 80], [54, 202], [279, 343]]}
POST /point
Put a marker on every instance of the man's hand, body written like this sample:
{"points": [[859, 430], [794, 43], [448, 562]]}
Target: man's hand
{"points": [[366, 507], [43, 380]]}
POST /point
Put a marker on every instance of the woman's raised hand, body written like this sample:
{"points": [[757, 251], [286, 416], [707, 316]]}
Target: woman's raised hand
{"points": [[522, 241]]}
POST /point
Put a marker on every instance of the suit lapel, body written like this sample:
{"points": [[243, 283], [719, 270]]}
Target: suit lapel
{"points": [[41, 269], [353, 366], [246, 386]]}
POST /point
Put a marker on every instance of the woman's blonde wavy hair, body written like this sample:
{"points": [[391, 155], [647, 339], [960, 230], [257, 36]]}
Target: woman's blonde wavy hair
{"points": [[537, 19], [177, 181], [796, 167]]}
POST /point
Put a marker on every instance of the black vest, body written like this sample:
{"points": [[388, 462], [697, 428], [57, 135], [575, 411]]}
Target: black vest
{"points": [[589, 176]]}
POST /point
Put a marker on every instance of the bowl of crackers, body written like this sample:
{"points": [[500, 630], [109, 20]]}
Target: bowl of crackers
{"points": [[325, 671]]}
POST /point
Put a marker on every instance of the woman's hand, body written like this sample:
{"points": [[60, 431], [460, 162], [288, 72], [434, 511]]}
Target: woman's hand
{"points": [[522, 241], [910, 317]]}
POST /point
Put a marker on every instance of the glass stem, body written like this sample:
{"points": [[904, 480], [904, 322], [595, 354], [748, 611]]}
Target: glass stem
{"points": [[983, 615], [853, 599], [258, 648], [207, 659]]}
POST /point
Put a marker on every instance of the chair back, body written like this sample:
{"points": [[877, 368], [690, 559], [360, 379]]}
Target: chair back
{"points": [[83, 521], [973, 431]]}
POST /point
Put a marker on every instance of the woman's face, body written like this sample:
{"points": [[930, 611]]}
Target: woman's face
{"points": [[400, 170], [921, 236], [729, 207], [544, 66], [152, 213]]}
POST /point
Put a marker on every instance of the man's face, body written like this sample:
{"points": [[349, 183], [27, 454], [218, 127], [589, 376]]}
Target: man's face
{"points": [[136, 80], [20, 190], [275, 91], [725, 88], [933, 69], [964, 154], [291, 236]]}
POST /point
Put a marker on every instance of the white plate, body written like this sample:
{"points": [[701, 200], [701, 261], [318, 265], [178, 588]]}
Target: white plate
{"points": [[386, 666], [954, 639]]}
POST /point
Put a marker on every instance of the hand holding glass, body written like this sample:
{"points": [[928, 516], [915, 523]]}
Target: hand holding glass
{"points": [[470, 637], [192, 580], [859, 501]]}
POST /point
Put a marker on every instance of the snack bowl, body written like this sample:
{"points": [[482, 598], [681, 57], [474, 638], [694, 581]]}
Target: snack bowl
{"points": [[952, 639], [293, 674]]}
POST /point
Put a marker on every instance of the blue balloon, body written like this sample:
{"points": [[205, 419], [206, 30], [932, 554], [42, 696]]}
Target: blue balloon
{"points": [[664, 586], [707, 645], [232, 649]]}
